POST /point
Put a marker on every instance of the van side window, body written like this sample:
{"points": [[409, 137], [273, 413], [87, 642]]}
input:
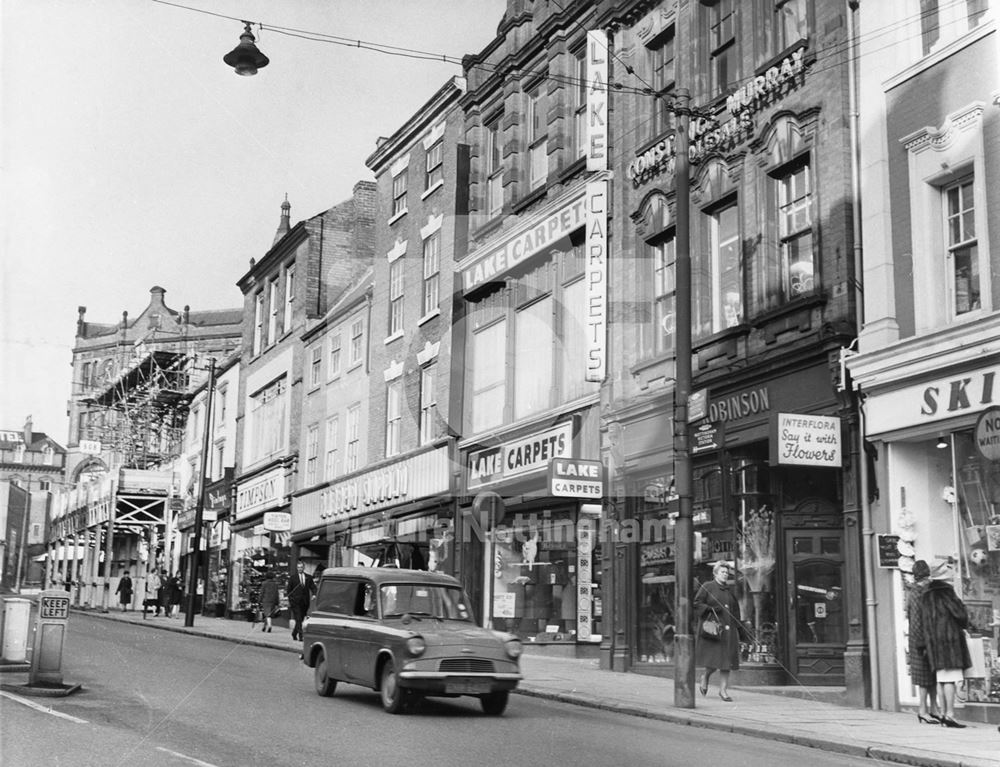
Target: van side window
{"points": [[364, 604], [336, 596]]}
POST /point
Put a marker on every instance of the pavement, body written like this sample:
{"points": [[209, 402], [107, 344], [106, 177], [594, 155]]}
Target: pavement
{"points": [[893, 737]]}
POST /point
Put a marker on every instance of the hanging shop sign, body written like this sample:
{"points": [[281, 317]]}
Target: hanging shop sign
{"points": [[596, 274], [585, 539], [888, 550], [260, 493], [519, 457], [597, 100], [218, 496], [185, 520], [576, 478], [706, 437], [527, 240], [986, 435], [805, 440], [277, 521]]}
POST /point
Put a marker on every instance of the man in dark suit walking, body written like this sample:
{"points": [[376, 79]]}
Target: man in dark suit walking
{"points": [[300, 589]]}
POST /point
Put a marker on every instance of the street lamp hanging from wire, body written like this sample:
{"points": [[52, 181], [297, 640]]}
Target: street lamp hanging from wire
{"points": [[246, 58]]}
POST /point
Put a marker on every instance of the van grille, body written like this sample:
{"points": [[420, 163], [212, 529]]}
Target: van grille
{"points": [[466, 666]]}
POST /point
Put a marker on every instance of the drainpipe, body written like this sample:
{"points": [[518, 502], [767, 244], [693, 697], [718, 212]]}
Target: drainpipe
{"points": [[867, 531]]}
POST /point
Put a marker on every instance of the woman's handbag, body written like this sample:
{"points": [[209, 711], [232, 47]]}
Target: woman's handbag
{"points": [[711, 627], [978, 654]]}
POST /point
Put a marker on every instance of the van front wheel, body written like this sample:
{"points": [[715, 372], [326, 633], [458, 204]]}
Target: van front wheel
{"points": [[325, 686]]}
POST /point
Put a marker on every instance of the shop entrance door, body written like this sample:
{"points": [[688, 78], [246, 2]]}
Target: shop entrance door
{"points": [[814, 564]]}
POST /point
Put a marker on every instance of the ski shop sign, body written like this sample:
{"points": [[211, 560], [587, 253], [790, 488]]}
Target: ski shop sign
{"points": [[937, 400]]}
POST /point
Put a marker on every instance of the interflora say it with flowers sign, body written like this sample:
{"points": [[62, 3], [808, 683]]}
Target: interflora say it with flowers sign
{"points": [[805, 440]]}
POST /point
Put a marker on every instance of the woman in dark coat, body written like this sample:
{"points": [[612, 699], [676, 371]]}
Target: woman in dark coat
{"points": [[268, 600], [175, 594], [939, 634], [124, 590], [722, 653], [921, 673]]}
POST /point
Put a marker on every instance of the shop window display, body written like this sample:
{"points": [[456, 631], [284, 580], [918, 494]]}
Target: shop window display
{"points": [[535, 573], [975, 498], [755, 581], [656, 607], [755, 554], [251, 567], [215, 596]]}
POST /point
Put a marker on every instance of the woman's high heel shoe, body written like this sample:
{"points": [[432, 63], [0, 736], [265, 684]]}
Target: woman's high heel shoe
{"points": [[725, 697], [929, 719], [703, 688], [947, 721]]}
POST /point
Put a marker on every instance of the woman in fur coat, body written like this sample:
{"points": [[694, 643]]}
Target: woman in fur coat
{"points": [[939, 634], [715, 597]]}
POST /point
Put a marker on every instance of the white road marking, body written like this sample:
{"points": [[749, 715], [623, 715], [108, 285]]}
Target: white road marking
{"points": [[185, 757], [39, 707]]}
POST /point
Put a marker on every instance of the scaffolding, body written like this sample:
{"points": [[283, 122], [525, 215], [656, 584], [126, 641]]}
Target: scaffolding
{"points": [[142, 415]]}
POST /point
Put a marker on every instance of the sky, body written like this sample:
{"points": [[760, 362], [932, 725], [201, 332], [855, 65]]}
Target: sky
{"points": [[132, 156]]}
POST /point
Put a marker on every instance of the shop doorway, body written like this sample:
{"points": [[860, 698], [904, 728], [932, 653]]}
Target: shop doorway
{"points": [[814, 567]]}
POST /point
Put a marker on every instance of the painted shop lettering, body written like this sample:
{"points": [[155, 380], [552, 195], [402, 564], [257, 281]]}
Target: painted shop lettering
{"points": [[550, 230], [570, 469], [536, 451], [486, 464], [740, 405], [958, 394], [768, 84], [589, 489]]}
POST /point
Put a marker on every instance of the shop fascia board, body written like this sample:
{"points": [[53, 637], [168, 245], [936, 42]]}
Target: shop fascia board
{"points": [[927, 354]]}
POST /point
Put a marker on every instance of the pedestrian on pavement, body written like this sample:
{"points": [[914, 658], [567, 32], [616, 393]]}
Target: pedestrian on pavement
{"points": [[940, 635], [174, 595], [715, 601], [124, 590], [268, 600], [921, 673], [300, 589], [162, 592], [154, 589]]}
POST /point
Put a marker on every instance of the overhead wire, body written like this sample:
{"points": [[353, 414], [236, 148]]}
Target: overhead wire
{"points": [[831, 53]]}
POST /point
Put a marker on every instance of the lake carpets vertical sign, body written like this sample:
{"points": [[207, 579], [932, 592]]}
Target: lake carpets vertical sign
{"points": [[597, 100], [597, 280]]}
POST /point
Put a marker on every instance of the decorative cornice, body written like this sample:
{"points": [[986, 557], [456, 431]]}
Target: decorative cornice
{"points": [[939, 139]]}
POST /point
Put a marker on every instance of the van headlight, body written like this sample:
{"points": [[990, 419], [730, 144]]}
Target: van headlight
{"points": [[514, 648], [416, 645]]}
